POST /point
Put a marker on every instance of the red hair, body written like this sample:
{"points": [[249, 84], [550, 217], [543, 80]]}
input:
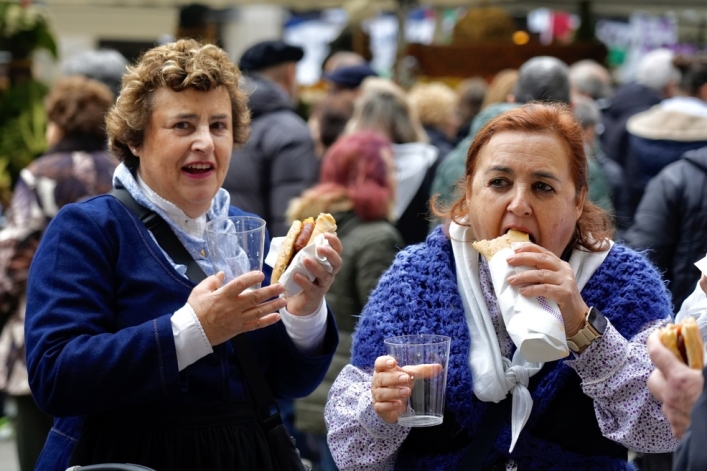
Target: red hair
{"points": [[594, 226], [355, 164]]}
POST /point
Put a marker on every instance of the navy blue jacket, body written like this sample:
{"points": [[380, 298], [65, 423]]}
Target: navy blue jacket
{"points": [[99, 339]]}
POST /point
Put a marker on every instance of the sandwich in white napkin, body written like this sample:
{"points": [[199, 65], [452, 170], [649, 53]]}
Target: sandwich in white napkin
{"points": [[535, 324], [297, 264]]}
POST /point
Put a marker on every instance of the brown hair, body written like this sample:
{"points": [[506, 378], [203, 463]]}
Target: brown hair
{"points": [[179, 65], [384, 107], [78, 105], [593, 228], [693, 70], [501, 87]]}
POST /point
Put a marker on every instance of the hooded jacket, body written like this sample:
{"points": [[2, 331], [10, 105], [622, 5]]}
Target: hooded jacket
{"points": [[659, 137], [415, 167], [671, 222], [628, 100], [277, 162]]}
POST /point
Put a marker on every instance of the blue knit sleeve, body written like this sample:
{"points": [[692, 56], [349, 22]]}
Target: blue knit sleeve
{"points": [[628, 290], [417, 295]]}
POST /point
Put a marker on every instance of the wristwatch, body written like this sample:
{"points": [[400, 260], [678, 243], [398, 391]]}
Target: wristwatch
{"points": [[594, 326]]}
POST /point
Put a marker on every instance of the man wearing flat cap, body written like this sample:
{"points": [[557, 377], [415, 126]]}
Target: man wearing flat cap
{"points": [[278, 161], [348, 78]]}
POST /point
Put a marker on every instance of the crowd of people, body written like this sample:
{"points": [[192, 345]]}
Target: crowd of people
{"points": [[118, 346]]}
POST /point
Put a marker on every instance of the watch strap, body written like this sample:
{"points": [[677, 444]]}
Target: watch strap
{"points": [[594, 326]]}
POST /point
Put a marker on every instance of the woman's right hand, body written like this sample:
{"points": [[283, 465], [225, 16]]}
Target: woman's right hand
{"points": [[228, 310], [391, 385]]}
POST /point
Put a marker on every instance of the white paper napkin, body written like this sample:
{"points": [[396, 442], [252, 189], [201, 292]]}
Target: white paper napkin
{"points": [[702, 265], [534, 324], [297, 264]]}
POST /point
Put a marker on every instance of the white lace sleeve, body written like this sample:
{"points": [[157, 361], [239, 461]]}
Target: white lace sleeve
{"points": [[359, 439]]}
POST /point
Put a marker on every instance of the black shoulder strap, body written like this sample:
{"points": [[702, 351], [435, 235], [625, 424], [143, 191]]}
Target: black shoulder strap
{"points": [[163, 234], [267, 409]]}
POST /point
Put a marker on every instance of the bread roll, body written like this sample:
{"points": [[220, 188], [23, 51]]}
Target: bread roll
{"points": [[325, 223], [287, 251], [685, 341], [489, 248], [301, 234]]}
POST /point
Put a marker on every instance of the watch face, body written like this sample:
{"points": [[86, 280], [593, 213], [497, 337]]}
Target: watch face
{"points": [[597, 320]]}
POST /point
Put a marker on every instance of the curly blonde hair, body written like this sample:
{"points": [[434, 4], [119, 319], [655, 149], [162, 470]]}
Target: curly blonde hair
{"points": [[179, 65], [434, 102]]}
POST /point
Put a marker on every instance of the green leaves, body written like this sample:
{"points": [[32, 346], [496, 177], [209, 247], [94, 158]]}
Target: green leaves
{"points": [[24, 30]]}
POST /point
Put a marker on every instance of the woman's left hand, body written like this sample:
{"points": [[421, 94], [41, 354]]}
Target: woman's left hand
{"points": [[310, 298], [551, 277]]}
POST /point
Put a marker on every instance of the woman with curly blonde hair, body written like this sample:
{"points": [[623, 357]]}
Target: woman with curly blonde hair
{"points": [[125, 346]]}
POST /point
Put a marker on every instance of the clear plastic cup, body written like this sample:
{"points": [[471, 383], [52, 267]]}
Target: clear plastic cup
{"points": [[425, 406], [236, 245]]}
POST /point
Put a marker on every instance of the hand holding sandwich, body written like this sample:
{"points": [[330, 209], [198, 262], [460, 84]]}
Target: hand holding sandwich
{"points": [[549, 276], [302, 234], [310, 298], [673, 383]]}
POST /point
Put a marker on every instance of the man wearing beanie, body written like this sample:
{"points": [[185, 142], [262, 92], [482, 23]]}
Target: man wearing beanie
{"points": [[278, 161]]}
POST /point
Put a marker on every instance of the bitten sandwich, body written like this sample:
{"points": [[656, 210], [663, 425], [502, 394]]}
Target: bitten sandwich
{"points": [[489, 248], [685, 341], [300, 235]]}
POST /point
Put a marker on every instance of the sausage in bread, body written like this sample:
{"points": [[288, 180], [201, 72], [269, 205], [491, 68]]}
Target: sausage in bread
{"points": [[685, 341], [301, 234]]}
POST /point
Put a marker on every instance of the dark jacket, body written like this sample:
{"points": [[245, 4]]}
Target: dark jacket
{"points": [[658, 137], [277, 162], [628, 100], [691, 454], [438, 139], [671, 222]]}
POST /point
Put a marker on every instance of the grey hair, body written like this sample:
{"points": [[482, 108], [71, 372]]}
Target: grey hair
{"points": [[656, 69], [543, 78], [586, 111], [105, 65], [591, 78]]}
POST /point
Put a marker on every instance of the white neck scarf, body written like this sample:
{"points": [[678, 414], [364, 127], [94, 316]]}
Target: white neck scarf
{"points": [[496, 376]]}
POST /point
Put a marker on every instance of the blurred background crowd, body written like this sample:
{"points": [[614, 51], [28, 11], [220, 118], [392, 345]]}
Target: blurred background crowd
{"points": [[340, 93]]}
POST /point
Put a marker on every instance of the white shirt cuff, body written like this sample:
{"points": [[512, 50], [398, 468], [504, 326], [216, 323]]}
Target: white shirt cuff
{"points": [[307, 332], [189, 338]]}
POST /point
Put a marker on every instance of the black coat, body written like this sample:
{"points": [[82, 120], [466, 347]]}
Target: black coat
{"points": [[671, 222], [691, 454]]}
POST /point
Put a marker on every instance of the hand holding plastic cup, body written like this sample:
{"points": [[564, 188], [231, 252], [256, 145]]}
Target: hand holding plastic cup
{"points": [[236, 245], [425, 406]]}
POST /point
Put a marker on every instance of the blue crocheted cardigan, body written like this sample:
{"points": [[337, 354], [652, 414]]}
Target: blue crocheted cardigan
{"points": [[419, 294]]}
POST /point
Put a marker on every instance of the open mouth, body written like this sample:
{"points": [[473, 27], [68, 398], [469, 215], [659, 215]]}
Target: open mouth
{"points": [[530, 236], [198, 169]]}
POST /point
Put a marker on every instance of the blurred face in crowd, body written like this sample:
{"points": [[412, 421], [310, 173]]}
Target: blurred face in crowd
{"points": [[523, 181], [187, 147]]}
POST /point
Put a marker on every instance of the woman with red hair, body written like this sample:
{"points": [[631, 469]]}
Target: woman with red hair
{"points": [[357, 186]]}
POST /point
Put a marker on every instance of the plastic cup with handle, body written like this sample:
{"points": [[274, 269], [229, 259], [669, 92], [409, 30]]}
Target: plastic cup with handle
{"points": [[236, 245], [425, 406]]}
